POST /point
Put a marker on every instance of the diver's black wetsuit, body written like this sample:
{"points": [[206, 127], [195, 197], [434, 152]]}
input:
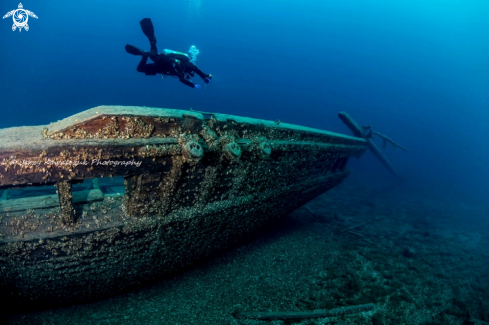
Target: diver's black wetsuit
{"points": [[172, 64], [168, 63]]}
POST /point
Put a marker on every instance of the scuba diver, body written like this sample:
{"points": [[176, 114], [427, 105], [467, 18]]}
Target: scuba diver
{"points": [[168, 62]]}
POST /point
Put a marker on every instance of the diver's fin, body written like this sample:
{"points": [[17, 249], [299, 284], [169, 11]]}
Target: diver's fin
{"points": [[148, 29], [131, 49]]}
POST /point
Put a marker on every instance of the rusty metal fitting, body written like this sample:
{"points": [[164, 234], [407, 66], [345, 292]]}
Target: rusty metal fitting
{"points": [[264, 149], [193, 151], [232, 150]]}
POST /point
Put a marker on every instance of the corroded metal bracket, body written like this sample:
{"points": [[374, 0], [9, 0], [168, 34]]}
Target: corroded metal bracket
{"points": [[193, 151], [232, 150], [264, 149]]}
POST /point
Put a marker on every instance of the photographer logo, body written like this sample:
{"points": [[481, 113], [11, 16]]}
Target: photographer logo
{"points": [[20, 17]]}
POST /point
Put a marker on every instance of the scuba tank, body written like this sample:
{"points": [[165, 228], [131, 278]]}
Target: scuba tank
{"points": [[175, 55]]}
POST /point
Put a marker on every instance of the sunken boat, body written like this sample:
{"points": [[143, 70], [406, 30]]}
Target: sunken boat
{"points": [[116, 197]]}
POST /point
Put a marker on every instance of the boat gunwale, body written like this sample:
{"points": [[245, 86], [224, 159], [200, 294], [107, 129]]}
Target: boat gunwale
{"points": [[21, 134]]}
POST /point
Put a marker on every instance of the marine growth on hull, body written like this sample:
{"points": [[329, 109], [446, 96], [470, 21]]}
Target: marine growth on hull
{"points": [[114, 196]]}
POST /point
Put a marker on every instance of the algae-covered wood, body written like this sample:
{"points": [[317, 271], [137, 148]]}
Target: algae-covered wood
{"points": [[193, 185]]}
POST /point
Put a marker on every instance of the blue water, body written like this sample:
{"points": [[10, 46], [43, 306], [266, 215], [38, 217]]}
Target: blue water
{"points": [[417, 71]]}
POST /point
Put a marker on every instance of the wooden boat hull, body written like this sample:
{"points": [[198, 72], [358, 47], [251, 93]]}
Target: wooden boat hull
{"points": [[204, 181]]}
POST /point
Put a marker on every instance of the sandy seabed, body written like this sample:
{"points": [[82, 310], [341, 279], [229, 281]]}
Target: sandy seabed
{"points": [[417, 255]]}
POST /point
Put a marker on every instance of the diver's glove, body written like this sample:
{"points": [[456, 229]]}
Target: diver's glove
{"points": [[208, 78], [197, 86]]}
